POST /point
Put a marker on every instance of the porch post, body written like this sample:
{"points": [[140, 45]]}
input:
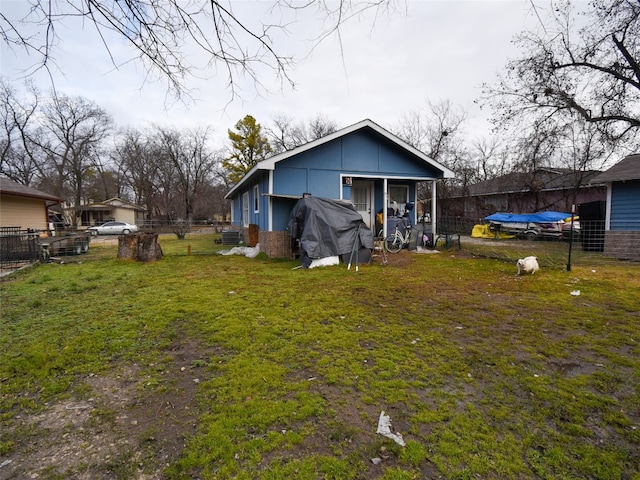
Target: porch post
{"points": [[270, 201], [433, 208], [385, 199]]}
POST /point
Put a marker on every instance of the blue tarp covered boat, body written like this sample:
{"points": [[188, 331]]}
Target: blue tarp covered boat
{"points": [[529, 225], [541, 217]]}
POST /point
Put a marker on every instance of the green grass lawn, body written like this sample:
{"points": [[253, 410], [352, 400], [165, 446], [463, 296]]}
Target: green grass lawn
{"points": [[219, 367]]}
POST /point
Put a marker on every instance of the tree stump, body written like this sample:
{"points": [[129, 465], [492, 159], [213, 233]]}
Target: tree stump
{"points": [[142, 247]]}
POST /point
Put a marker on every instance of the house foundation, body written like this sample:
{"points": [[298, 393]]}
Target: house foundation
{"points": [[276, 244], [622, 244]]}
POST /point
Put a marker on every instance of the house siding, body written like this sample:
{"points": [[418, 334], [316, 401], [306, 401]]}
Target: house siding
{"points": [[260, 217], [281, 209], [23, 212], [364, 152], [318, 171], [124, 215], [358, 155], [625, 206]]}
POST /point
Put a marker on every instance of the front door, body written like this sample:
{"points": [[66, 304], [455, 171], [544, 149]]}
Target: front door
{"points": [[362, 198]]}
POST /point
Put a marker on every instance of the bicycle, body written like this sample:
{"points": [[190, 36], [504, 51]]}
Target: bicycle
{"points": [[397, 240]]}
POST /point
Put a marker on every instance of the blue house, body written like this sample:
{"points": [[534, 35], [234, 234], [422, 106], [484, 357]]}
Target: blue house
{"points": [[622, 224], [363, 164]]}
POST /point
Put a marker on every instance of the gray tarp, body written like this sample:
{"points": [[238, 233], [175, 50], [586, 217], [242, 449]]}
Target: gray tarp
{"points": [[327, 228]]}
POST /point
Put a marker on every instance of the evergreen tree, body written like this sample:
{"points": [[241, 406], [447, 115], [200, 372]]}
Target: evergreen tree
{"points": [[248, 147]]}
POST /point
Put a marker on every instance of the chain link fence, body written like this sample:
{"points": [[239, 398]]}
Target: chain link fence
{"points": [[590, 245], [587, 244]]}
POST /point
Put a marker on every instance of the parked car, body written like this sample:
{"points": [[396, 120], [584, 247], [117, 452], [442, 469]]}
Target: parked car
{"points": [[113, 228]]}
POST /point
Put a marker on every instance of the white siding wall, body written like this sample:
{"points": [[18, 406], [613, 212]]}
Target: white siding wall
{"points": [[124, 215]]}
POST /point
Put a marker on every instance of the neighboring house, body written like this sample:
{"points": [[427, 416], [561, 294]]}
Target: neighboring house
{"points": [[622, 223], [541, 190], [24, 207], [113, 209], [363, 164]]}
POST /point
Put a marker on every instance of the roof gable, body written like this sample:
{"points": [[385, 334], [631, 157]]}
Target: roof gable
{"points": [[270, 163], [121, 203]]}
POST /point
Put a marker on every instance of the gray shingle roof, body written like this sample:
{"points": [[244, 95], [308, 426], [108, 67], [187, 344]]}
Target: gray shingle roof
{"points": [[545, 179], [9, 187], [626, 169]]}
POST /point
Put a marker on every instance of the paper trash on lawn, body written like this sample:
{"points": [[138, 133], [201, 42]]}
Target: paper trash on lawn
{"points": [[384, 429]]}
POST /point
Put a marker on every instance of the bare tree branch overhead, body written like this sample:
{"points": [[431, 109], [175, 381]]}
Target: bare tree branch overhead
{"points": [[582, 65], [164, 34]]}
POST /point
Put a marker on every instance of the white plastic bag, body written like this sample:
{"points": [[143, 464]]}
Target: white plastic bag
{"points": [[384, 429]]}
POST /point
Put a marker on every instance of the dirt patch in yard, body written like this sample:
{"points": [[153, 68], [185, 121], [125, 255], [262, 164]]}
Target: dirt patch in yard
{"points": [[122, 427], [404, 257]]}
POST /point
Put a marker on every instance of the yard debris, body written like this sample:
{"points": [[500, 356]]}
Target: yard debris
{"points": [[384, 429], [249, 252], [324, 262], [421, 249], [376, 461], [78, 407]]}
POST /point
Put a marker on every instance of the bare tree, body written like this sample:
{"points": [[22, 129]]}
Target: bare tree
{"points": [[581, 67], [17, 155], [286, 134], [549, 152], [134, 155], [105, 181], [491, 157], [437, 131], [187, 156], [70, 137], [162, 32]]}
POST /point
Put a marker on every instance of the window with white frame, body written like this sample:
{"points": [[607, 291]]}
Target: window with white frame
{"points": [[245, 209], [256, 199], [360, 197], [233, 210]]}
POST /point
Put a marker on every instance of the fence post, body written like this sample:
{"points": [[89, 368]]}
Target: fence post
{"points": [[573, 210]]}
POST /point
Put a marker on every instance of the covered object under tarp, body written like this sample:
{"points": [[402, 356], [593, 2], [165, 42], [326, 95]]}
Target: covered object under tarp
{"points": [[540, 217], [327, 228]]}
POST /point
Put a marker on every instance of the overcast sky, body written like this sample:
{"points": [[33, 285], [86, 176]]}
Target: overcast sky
{"points": [[430, 50]]}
